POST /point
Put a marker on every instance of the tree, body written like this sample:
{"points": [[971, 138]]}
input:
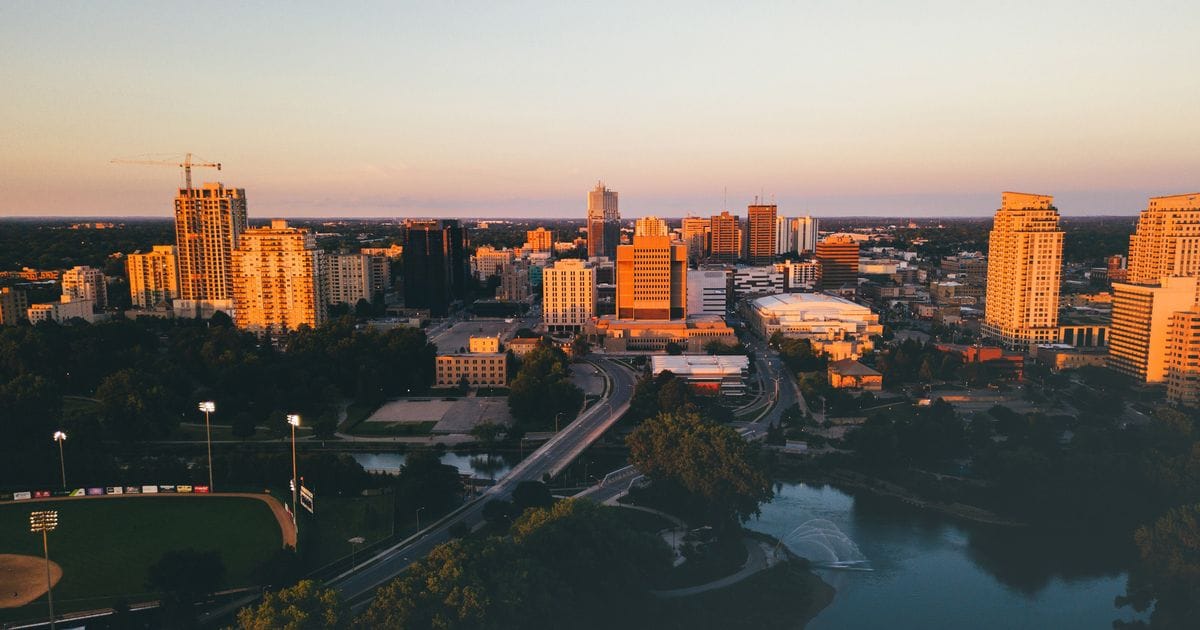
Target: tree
{"points": [[571, 565], [543, 389], [531, 494], [1167, 574], [301, 607], [486, 433], [580, 347], [136, 405], [183, 576], [243, 425], [716, 468], [425, 482], [673, 348], [466, 583]]}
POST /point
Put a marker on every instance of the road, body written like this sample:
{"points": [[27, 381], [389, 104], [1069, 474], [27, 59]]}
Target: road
{"points": [[358, 586]]}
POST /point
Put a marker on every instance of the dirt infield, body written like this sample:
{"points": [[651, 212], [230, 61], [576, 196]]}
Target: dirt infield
{"points": [[281, 514], [23, 579]]}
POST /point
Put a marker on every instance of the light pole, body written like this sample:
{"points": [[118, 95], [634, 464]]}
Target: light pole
{"points": [[556, 417], [60, 437], [294, 420], [208, 407], [419, 517], [45, 521], [354, 543]]}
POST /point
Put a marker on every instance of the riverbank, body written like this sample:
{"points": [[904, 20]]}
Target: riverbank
{"points": [[858, 481]]}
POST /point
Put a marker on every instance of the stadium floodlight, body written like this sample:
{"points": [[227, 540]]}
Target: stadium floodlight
{"points": [[60, 437], [294, 420], [45, 521], [209, 407]]}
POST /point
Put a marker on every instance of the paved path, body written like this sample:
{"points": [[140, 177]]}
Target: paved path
{"points": [[758, 558]]}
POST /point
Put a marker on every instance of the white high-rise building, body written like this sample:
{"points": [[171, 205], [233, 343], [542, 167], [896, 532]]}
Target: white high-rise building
{"points": [[85, 283], [568, 295], [707, 291], [351, 277], [785, 236], [805, 229]]}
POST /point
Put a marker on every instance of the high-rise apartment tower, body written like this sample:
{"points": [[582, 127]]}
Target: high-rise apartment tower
{"points": [[208, 222], [1024, 272], [277, 279]]}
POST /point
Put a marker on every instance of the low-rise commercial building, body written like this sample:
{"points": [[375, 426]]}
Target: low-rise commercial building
{"points": [[471, 369], [850, 374], [813, 316], [61, 311], [723, 375], [693, 333]]}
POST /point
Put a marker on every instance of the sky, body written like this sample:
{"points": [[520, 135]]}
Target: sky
{"points": [[517, 109]]}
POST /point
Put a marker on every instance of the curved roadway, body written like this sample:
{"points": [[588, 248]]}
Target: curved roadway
{"points": [[359, 584]]}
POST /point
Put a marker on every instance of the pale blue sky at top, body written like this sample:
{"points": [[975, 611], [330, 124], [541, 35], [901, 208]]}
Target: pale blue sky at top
{"points": [[516, 109]]}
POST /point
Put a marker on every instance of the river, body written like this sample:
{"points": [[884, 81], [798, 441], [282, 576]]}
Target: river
{"points": [[923, 569], [479, 466]]}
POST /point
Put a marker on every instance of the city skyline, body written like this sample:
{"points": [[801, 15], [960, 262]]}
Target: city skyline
{"points": [[867, 110]]}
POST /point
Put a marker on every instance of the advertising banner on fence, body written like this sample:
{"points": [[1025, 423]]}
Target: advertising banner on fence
{"points": [[183, 489], [306, 499], [162, 488], [41, 494], [132, 490], [92, 492], [149, 489], [201, 489], [22, 496], [114, 490]]}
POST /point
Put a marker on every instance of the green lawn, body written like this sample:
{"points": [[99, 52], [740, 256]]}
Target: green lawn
{"points": [[338, 519], [356, 413], [106, 545]]}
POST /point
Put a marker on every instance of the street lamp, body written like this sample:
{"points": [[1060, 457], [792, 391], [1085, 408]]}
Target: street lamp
{"points": [[208, 407], [294, 420], [60, 437], [556, 417], [354, 543], [45, 521], [419, 517]]}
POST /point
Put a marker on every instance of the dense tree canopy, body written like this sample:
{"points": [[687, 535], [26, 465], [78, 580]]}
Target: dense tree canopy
{"points": [[720, 476], [572, 565], [542, 390], [305, 606], [1167, 575]]}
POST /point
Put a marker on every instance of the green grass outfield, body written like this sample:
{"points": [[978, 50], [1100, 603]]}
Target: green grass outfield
{"points": [[105, 545]]}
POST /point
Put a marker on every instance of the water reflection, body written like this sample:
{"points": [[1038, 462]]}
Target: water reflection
{"points": [[932, 571], [480, 465]]}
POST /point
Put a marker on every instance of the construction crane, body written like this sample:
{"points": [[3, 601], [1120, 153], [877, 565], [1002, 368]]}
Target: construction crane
{"points": [[186, 165]]}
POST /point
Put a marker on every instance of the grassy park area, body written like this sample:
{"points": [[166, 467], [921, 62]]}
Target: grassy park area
{"points": [[105, 545]]}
